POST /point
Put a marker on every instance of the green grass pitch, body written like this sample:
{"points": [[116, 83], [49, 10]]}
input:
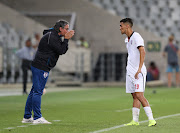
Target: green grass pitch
{"points": [[91, 110]]}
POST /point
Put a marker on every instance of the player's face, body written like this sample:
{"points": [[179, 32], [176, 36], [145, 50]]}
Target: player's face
{"points": [[64, 30], [123, 28]]}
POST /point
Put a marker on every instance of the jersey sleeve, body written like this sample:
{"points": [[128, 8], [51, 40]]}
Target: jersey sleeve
{"points": [[139, 40]]}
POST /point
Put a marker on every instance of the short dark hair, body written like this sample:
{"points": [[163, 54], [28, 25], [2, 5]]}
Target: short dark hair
{"points": [[28, 39], [60, 23], [127, 20]]}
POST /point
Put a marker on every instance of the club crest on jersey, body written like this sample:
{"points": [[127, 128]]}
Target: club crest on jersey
{"points": [[131, 42], [45, 74]]}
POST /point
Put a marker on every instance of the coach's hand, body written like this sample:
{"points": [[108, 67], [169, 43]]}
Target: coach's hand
{"points": [[136, 75], [69, 34]]}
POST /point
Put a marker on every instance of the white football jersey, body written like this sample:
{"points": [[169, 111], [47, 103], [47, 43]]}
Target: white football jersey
{"points": [[133, 60]]}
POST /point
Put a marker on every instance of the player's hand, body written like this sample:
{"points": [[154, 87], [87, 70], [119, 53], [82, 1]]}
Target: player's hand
{"points": [[69, 34], [136, 75]]}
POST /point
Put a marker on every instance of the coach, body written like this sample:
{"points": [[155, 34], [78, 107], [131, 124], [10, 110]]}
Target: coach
{"points": [[50, 47]]}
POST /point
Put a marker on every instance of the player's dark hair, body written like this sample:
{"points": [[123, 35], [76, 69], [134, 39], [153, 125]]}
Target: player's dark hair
{"points": [[60, 23], [127, 20]]}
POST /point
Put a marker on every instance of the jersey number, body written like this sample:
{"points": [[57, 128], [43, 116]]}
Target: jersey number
{"points": [[136, 86]]}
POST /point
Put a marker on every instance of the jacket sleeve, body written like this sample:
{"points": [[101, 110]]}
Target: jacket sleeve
{"points": [[58, 46], [19, 53]]}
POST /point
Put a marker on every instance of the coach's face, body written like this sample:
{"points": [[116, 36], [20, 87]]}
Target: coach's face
{"points": [[123, 28], [64, 30]]}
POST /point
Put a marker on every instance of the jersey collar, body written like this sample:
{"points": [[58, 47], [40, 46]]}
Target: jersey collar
{"points": [[130, 36]]}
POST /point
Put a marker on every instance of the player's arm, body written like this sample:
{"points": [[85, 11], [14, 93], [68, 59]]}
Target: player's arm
{"points": [[142, 58]]}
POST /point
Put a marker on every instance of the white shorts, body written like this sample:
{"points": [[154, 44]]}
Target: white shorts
{"points": [[135, 85]]}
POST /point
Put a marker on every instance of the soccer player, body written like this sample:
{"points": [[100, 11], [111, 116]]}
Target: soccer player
{"points": [[51, 46], [136, 72]]}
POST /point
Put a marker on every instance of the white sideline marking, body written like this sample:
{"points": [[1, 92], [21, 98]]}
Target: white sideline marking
{"points": [[10, 128], [32, 124], [27, 125], [123, 110], [56, 120], [115, 127], [22, 126]]}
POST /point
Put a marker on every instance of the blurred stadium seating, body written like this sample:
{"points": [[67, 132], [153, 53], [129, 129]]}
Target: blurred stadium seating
{"points": [[98, 22], [158, 16], [10, 41], [13, 34]]}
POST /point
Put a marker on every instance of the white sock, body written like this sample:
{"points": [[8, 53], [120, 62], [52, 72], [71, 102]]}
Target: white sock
{"points": [[135, 113], [149, 113]]}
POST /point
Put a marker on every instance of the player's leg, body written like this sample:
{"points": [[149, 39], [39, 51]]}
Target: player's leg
{"points": [[136, 107], [147, 108], [136, 104], [142, 99], [139, 92]]}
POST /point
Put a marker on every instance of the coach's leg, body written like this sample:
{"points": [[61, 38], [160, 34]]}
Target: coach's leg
{"points": [[37, 103], [28, 107], [39, 82]]}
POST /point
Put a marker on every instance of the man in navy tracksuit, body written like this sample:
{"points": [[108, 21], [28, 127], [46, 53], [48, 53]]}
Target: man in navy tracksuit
{"points": [[49, 49]]}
